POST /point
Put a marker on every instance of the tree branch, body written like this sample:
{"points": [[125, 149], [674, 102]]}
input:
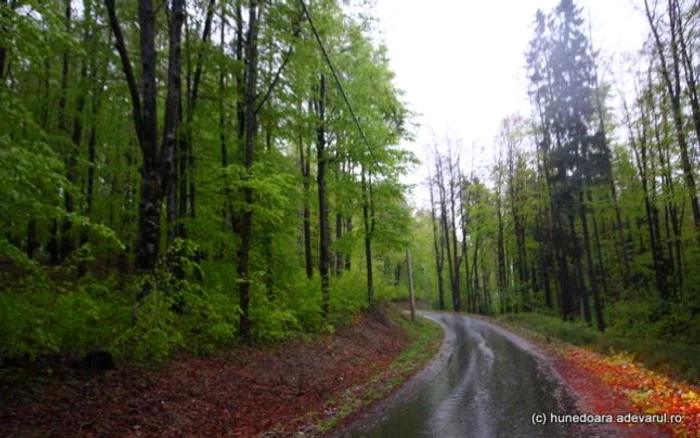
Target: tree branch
{"points": [[285, 60], [126, 65], [198, 68]]}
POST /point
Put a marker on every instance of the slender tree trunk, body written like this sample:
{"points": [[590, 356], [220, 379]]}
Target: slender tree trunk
{"points": [[306, 175], [338, 235], [227, 210], [173, 116], [589, 262], [251, 46], [186, 157], [67, 242], [640, 152], [438, 247], [368, 235], [348, 230], [465, 252], [456, 298], [673, 88], [599, 250], [323, 214], [56, 238], [445, 226], [502, 282]]}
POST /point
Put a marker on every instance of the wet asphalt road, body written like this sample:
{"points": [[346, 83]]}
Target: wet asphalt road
{"points": [[490, 385]]}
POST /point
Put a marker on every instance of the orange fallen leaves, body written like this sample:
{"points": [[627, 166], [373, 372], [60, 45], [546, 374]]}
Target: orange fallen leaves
{"points": [[649, 392]]}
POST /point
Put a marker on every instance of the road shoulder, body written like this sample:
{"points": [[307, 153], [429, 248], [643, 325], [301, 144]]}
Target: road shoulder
{"points": [[593, 394]]}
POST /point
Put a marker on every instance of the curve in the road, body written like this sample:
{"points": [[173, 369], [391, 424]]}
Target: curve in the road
{"points": [[487, 383]]}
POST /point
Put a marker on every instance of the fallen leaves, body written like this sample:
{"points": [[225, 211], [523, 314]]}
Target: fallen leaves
{"points": [[252, 391], [649, 392]]}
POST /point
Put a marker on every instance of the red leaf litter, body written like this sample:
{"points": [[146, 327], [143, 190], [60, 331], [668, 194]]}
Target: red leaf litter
{"points": [[248, 392], [617, 385]]}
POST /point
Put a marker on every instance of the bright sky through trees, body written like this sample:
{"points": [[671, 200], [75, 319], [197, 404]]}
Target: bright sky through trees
{"points": [[462, 65]]}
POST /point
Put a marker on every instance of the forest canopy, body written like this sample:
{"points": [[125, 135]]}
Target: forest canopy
{"points": [[199, 173], [193, 173]]}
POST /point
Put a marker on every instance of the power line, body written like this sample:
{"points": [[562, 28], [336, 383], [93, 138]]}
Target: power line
{"points": [[337, 80]]}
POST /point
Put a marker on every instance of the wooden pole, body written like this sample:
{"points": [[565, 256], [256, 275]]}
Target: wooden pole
{"points": [[411, 291]]}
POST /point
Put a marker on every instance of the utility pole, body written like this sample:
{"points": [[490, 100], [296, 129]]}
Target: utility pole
{"points": [[411, 291]]}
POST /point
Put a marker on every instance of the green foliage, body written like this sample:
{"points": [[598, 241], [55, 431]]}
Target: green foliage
{"points": [[349, 297], [675, 356], [154, 335], [40, 318], [74, 167], [640, 318], [577, 333]]}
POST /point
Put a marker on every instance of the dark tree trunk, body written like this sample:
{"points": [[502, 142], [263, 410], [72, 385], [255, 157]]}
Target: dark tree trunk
{"points": [[173, 111], [304, 162], [67, 242], [673, 88], [251, 47], [186, 156], [323, 213], [348, 230], [145, 120], [639, 148], [502, 281], [589, 262], [445, 225], [92, 156], [56, 239], [308, 252], [338, 235], [368, 225], [599, 251], [227, 213]]}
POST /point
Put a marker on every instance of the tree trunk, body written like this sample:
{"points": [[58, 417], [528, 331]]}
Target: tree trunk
{"points": [[438, 247], [673, 88], [323, 214], [348, 230], [173, 115], [306, 175], [368, 236], [243, 268], [589, 262], [338, 235]]}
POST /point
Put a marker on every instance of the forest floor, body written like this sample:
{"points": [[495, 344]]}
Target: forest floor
{"points": [[308, 386], [618, 385]]}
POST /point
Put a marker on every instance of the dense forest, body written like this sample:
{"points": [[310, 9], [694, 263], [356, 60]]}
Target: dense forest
{"points": [[192, 174], [590, 210]]}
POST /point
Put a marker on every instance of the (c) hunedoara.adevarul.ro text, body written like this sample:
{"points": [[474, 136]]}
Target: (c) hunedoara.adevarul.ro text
{"points": [[544, 418]]}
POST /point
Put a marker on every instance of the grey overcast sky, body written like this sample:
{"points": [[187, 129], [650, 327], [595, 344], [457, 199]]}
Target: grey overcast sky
{"points": [[461, 63]]}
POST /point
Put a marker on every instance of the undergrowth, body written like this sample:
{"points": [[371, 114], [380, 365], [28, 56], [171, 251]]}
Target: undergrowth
{"points": [[675, 358], [191, 303]]}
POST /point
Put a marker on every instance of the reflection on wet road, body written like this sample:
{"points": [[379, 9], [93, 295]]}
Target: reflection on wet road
{"points": [[489, 387]]}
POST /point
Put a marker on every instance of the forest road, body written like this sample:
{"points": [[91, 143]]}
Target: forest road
{"points": [[490, 383]]}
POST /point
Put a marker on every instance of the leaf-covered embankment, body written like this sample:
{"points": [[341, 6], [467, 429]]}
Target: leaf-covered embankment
{"points": [[617, 384], [309, 385]]}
